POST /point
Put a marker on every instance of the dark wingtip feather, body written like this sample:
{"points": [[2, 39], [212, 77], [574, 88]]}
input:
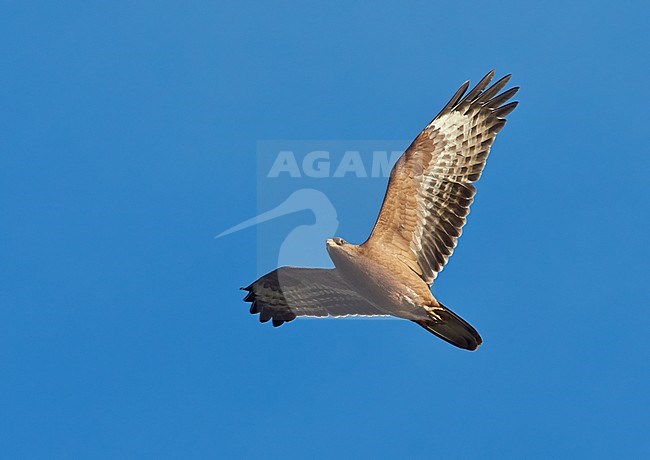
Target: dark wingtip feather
{"points": [[478, 89], [486, 79], [503, 111], [494, 89], [488, 98], [497, 101], [498, 125], [265, 315], [456, 97], [267, 312]]}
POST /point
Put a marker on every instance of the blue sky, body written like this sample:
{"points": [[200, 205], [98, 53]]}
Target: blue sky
{"points": [[129, 140]]}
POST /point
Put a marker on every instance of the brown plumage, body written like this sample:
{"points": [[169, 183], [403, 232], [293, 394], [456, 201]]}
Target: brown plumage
{"points": [[425, 207]]}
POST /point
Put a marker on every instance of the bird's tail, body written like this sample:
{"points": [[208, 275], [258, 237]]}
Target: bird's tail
{"points": [[452, 328]]}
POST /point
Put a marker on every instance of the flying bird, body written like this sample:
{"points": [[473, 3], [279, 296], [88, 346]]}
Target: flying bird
{"points": [[424, 210]]}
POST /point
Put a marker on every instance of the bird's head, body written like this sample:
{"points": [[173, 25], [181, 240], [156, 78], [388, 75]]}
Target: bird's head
{"points": [[339, 249], [335, 242]]}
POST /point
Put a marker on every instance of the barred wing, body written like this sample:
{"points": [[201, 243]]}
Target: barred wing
{"points": [[288, 292], [430, 187]]}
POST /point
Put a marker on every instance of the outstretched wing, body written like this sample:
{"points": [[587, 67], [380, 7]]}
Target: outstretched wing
{"points": [[430, 188], [288, 292]]}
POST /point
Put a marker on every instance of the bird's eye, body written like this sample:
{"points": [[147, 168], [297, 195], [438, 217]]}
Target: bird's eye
{"points": [[339, 241]]}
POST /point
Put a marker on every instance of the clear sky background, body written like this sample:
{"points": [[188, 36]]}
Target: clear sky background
{"points": [[128, 138]]}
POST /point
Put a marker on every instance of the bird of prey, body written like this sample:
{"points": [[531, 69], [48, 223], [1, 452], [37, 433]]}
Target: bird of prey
{"points": [[425, 207]]}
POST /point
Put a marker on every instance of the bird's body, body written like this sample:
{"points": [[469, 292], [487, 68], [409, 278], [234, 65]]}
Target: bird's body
{"points": [[397, 292], [425, 207]]}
